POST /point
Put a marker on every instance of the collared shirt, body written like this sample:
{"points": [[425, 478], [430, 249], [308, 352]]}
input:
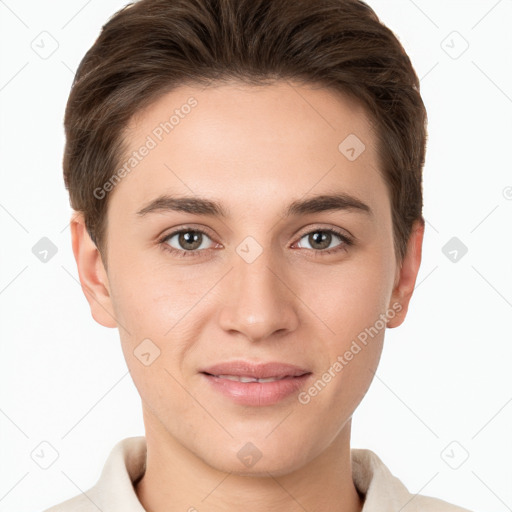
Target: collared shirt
{"points": [[114, 491]]}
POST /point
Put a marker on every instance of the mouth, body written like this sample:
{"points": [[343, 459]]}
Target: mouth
{"points": [[249, 370], [246, 378], [256, 384]]}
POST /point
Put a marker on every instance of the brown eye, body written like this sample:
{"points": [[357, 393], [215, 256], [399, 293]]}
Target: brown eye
{"points": [[187, 240], [320, 240], [190, 240]]}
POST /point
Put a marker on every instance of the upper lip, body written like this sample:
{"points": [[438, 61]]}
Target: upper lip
{"points": [[255, 370]]}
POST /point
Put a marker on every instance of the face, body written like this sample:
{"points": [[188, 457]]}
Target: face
{"points": [[224, 249]]}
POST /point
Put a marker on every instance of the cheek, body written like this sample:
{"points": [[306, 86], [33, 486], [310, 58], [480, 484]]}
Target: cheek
{"points": [[344, 377], [147, 308], [351, 297], [149, 298], [355, 307], [163, 305]]}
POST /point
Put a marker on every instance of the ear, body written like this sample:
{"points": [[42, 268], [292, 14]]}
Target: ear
{"points": [[406, 275], [92, 273]]}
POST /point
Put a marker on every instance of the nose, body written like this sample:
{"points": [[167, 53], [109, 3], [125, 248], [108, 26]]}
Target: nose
{"points": [[258, 301]]}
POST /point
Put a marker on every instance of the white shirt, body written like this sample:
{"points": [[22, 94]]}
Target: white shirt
{"points": [[114, 491]]}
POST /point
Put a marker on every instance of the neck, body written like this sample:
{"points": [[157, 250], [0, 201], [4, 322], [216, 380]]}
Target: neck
{"points": [[176, 480]]}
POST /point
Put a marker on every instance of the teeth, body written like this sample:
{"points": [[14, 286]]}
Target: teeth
{"points": [[248, 379], [270, 379]]}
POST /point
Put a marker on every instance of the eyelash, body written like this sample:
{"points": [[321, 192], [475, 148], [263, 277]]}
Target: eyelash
{"points": [[346, 242]]}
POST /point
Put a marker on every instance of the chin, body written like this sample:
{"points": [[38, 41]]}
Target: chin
{"points": [[257, 459]]}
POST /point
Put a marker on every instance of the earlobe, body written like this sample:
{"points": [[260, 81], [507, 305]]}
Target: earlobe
{"points": [[91, 271], [407, 275]]}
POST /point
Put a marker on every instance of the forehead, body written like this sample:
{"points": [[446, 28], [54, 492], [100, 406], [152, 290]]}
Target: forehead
{"points": [[245, 141]]}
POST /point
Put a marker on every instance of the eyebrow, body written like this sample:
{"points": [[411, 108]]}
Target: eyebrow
{"points": [[202, 206]]}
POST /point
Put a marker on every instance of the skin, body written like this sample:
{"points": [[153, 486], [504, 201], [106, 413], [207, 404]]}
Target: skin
{"points": [[254, 150]]}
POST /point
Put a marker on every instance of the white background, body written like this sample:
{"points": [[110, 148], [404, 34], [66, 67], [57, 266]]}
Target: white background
{"points": [[445, 373]]}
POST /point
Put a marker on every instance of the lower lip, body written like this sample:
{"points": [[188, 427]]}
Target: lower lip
{"points": [[257, 393]]}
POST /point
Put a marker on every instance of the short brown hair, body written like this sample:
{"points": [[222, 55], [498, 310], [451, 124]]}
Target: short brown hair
{"points": [[150, 47]]}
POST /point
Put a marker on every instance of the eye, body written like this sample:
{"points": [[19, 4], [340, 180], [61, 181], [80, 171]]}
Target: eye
{"points": [[186, 242], [191, 242], [320, 240]]}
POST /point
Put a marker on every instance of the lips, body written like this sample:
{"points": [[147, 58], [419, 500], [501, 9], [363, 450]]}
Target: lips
{"points": [[243, 378], [270, 370], [256, 384]]}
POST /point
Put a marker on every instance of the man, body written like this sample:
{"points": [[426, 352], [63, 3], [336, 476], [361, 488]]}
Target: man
{"points": [[246, 180]]}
